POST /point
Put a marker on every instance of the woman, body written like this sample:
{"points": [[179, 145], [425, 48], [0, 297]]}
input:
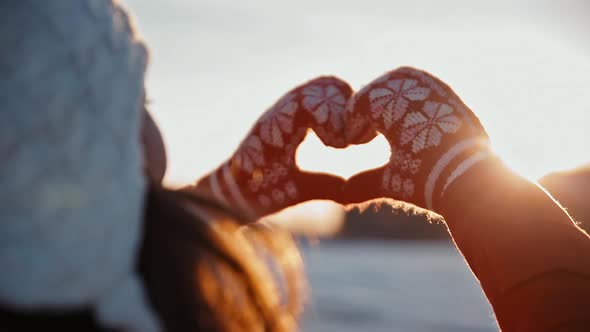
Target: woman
{"points": [[90, 240]]}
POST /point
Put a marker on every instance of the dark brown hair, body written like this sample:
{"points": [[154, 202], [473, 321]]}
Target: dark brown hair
{"points": [[202, 272]]}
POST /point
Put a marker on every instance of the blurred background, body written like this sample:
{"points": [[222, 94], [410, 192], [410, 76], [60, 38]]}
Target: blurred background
{"points": [[522, 66]]}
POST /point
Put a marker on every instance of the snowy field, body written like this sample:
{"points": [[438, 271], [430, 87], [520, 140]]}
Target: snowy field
{"points": [[392, 286]]}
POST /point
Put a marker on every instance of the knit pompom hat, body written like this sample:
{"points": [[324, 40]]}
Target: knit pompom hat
{"points": [[71, 88]]}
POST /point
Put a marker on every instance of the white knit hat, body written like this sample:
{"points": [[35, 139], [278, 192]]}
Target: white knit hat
{"points": [[72, 188]]}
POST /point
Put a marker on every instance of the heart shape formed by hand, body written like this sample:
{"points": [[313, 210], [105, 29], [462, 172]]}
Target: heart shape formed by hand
{"points": [[431, 132]]}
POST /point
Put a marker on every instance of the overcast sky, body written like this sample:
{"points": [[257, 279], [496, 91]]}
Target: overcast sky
{"points": [[522, 66]]}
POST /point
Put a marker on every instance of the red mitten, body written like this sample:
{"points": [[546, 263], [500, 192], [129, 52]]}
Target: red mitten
{"points": [[262, 176], [434, 137]]}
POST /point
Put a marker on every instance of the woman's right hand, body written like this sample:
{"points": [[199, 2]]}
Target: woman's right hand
{"points": [[532, 261], [434, 138]]}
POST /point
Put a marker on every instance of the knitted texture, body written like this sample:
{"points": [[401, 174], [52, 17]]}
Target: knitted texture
{"points": [[71, 86], [434, 137], [262, 176]]}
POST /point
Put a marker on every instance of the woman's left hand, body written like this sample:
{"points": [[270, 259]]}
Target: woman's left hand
{"points": [[262, 176]]}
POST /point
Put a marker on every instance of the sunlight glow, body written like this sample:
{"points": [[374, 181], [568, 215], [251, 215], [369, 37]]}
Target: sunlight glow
{"points": [[522, 171], [313, 155], [318, 218]]}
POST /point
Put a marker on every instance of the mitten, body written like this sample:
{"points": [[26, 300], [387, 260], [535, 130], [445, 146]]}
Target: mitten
{"points": [[434, 137], [262, 177]]}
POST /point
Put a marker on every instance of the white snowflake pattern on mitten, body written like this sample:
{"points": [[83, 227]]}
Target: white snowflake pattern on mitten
{"points": [[262, 176], [431, 132]]}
